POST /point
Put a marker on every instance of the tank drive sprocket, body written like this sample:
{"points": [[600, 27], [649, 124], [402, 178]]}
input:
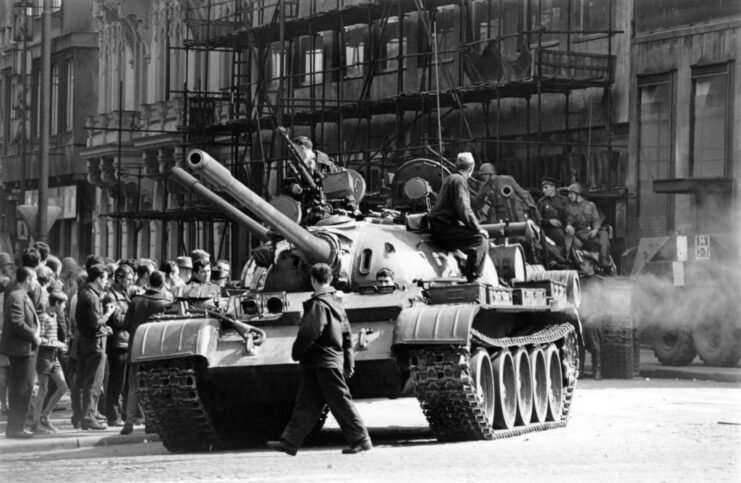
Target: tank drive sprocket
{"points": [[168, 391]]}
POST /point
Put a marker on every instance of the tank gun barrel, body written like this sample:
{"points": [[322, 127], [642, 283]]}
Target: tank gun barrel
{"points": [[190, 182], [316, 249]]}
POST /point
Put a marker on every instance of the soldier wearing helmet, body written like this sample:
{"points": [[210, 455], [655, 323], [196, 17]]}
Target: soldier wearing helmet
{"points": [[500, 197], [583, 225]]}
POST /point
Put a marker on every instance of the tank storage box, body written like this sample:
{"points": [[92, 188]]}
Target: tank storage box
{"points": [[456, 293], [500, 296], [529, 297], [338, 185], [553, 289]]}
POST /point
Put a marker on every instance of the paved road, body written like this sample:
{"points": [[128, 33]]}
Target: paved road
{"points": [[638, 430]]}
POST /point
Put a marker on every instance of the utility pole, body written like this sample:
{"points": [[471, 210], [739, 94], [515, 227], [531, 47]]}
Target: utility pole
{"points": [[45, 115]]}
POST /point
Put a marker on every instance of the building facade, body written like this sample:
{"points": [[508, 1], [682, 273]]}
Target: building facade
{"points": [[74, 71]]}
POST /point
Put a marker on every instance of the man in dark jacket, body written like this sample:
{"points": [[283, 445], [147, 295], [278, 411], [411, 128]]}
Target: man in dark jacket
{"points": [[19, 341], [117, 345], [154, 301], [452, 222], [323, 347], [91, 324]]}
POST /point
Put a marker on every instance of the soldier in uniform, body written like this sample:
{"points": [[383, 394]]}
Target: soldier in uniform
{"points": [[583, 223], [552, 209], [452, 222], [592, 314], [200, 286], [318, 165], [501, 197]]}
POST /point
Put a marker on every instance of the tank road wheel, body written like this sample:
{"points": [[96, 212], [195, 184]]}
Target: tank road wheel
{"points": [[540, 385], [483, 379], [524, 378], [505, 383], [555, 383], [673, 347], [717, 343]]}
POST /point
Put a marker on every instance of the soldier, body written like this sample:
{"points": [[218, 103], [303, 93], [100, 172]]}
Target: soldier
{"points": [[453, 224], [501, 197], [552, 209], [323, 346], [200, 286], [591, 313], [318, 165], [583, 223]]}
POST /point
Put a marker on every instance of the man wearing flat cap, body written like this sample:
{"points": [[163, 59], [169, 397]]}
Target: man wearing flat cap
{"points": [[552, 209], [584, 225], [453, 225]]}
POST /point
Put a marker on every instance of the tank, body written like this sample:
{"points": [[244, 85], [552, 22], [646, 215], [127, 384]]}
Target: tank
{"points": [[485, 360]]}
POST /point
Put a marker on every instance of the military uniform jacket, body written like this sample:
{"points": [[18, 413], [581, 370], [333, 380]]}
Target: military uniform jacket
{"points": [[20, 323], [324, 335], [583, 216], [453, 204], [552, 208]]}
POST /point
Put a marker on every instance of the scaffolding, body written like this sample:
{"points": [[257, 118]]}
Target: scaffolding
{"points": [[438, 72], [377, 83]]}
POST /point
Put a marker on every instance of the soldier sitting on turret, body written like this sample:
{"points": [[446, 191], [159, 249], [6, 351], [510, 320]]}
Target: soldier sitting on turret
{"points": [[295, 187], [584, 225], [552, 208], [501, 198]]}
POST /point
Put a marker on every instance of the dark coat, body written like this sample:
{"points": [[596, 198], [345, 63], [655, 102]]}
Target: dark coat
{"points": [[20, 323], [324, 337], [143, 307], [119, 339], [89, 313], [453, 204]]}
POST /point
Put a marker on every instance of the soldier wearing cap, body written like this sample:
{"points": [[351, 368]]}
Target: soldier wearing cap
{"points": [[591, 312], [501, 197], [552, 209], [583, 223], [452, 221]]}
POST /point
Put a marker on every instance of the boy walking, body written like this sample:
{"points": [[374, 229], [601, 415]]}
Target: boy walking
{"points": [[323, 347]]}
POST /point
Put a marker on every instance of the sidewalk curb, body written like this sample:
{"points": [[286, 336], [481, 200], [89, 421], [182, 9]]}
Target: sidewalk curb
{"points": [[689, 374], [57, 443]]}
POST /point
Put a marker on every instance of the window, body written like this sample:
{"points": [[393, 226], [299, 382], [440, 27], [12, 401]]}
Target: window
{"points": [[710, 111], [354, 38], [313, 66], [592, 15], [494, 19], [54, 100], [393, 45], [275, 67], [655, 121], [69, 122]]}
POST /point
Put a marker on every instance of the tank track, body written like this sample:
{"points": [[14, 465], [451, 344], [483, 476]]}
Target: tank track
{"points": [[444, 388], [169, 395]]}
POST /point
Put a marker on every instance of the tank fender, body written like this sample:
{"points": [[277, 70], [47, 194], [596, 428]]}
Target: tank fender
{"points": [[168, 339], [435, 324]]}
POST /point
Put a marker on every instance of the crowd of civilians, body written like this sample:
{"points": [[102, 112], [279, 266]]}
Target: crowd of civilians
{"points": [[68, 326]]}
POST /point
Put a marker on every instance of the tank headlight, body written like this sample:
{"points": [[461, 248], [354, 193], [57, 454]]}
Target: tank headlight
{"points": [[275, 304], [250, 306]]}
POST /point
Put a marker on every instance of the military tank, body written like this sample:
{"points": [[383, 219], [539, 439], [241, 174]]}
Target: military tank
{"points": [[485, 360]]}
